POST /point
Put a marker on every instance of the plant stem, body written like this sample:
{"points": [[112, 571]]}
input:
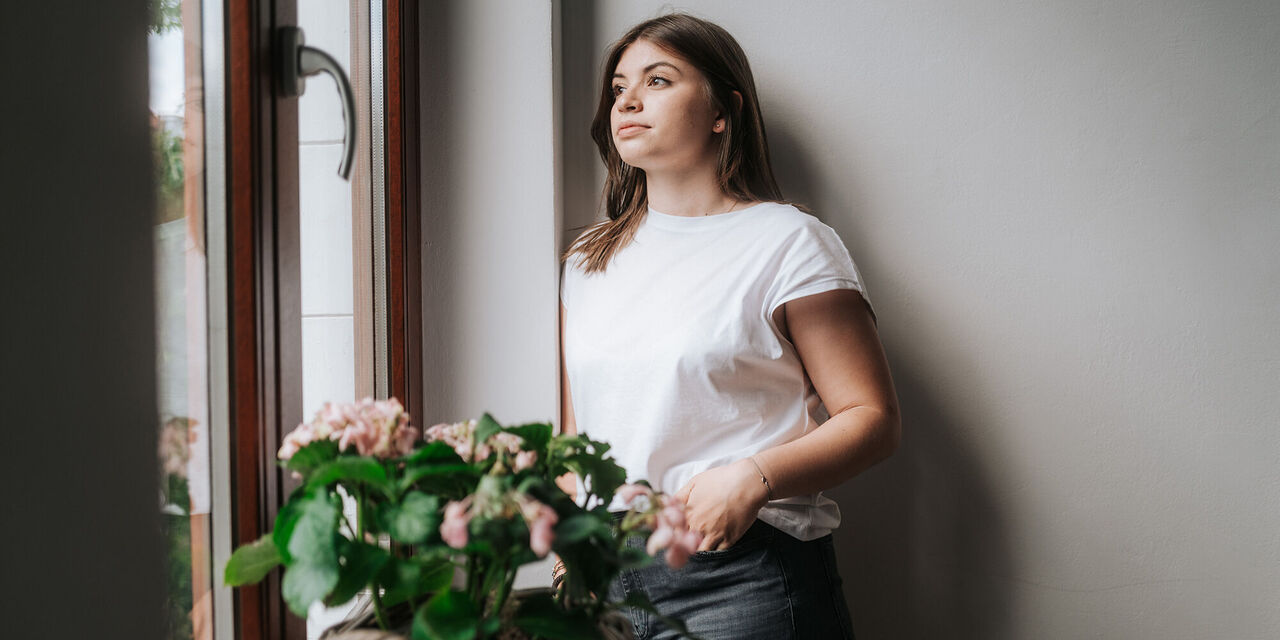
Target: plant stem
{"points": [[360, 514], [493, 572], [471, 590], [509, 578], [378, 609], [351, 528]]}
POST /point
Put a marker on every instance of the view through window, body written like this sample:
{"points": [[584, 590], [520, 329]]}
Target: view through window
{"points": [[174, 51], [336, 230]]}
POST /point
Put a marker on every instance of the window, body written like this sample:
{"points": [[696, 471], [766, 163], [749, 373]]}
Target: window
{"points": [[177, 131]]}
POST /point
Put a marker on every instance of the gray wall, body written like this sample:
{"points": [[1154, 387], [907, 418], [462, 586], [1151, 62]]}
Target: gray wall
{"points": [[1067, 217], [1066, 213], [490, 275]]}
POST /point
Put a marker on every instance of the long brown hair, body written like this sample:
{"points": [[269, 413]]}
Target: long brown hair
{"points": [[743, 168]]}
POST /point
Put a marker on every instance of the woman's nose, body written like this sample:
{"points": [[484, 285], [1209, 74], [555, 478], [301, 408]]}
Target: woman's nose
{"points": [[628, 101]]}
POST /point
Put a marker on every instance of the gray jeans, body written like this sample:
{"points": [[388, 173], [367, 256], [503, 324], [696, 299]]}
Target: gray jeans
{"points": [[768, 585]]}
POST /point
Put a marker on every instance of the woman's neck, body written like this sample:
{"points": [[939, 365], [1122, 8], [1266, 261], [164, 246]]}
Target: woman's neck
{"points": [[691, 193]]}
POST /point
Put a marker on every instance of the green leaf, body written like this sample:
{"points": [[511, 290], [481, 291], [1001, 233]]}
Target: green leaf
{"points": [[540, 615], [415, 519], [313, 539], [602, 475], [306, 582], [586, 457], [536, 435], [490, 626], [485, 429], [433, 452], [286, 521], [405, 578], [578, 528], [251, 562], [311, 456], [449, 615], [350, 469], [360, 563], [414, 475], [310, 545]]}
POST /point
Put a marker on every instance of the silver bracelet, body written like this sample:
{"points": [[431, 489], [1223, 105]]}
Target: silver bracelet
{"points": [[763, 479]]}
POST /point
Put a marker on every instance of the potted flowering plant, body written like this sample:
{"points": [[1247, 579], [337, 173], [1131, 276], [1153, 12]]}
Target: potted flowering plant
{"points": [[441, 523]]}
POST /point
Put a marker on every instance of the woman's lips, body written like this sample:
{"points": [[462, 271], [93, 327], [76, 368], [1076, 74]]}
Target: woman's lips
{"points": [[631, 130]]}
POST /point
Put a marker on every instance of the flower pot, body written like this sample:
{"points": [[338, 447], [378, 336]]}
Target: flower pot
{"points": [[362, 626]]}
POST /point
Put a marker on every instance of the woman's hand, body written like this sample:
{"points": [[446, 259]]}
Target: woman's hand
{"points": [[723, 503]]}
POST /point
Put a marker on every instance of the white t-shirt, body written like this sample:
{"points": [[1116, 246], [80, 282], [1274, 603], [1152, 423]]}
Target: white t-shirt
{"points": [[673, 357]]}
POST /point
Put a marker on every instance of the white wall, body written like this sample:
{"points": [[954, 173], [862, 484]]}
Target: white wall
{"points": [[490, 276], [1067, 216]]}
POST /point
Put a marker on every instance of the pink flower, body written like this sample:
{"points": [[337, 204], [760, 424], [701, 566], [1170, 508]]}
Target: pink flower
{"points": [[461, 436], [541, 520], [457, 516], [525, 459], [683, 547], [296, 439], [331, 416], [508, 443], [673, 514], [287, 450], [405, 436], [629, 492], [666, 515], [457, 435], [659, 540], [373, 428]]}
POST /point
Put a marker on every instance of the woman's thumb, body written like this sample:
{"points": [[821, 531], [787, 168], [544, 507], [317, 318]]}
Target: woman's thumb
{"points": [[683, 494]]}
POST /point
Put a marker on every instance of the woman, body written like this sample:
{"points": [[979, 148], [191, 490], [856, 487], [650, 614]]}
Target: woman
{"points": [[707, 328]]}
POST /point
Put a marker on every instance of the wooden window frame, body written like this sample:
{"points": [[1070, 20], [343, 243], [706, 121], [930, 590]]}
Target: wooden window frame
{"points": [[264, 306], [404, 269]]}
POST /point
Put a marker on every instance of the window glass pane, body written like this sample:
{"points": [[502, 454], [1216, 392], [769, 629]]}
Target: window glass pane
{"points": [[335, 233], [174, 49]]}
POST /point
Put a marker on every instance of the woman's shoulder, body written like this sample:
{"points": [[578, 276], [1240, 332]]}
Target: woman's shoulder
{"points": [[787, 220]]}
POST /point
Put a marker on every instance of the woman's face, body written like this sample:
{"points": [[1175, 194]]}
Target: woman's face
{"points": [[662, 119]]}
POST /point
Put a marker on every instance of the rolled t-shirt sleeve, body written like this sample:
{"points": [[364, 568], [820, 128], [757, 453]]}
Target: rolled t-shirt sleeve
{"points": [[815, 261]]}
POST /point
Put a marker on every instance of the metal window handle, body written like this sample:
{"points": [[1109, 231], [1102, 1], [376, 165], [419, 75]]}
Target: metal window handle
{"points": [[297, 61]]}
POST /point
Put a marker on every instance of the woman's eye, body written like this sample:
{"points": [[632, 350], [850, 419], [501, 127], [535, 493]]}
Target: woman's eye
{"points": [[617, 89], [661, 79]]}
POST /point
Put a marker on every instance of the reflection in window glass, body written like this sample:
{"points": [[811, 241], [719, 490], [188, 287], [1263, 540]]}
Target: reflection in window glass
{"points": [[177, 139]]}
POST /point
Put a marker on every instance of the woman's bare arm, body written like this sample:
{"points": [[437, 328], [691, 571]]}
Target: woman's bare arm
{"points": [[568, 425], [835, 336]]}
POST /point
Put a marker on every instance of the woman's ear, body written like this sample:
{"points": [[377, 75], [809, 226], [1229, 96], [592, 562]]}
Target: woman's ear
{"points": [[737, 108]]}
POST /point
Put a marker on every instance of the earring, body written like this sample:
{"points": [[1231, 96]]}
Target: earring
{"points": [[718, 126]]}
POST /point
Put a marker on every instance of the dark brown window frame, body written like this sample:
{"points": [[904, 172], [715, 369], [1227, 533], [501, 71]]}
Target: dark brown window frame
{"points": [[264, 322], [259, 299], [404, 269]]}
